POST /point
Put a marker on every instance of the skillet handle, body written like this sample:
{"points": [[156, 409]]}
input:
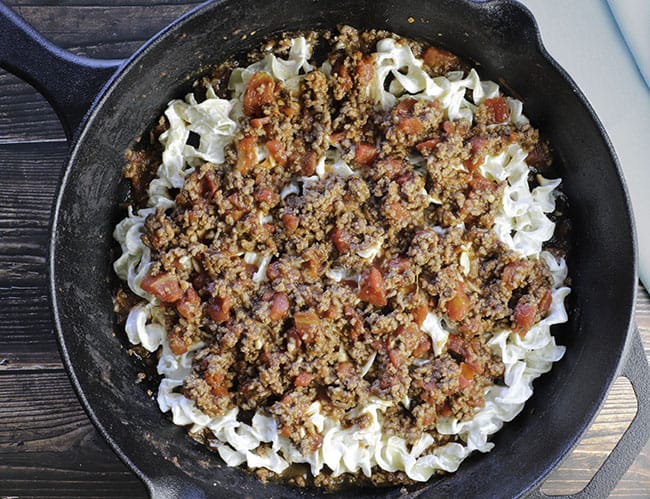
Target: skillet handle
{"points": [[70, 83], [635, 368]]}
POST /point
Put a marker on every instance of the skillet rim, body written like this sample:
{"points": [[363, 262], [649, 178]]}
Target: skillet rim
{"points": [[152, 485]]}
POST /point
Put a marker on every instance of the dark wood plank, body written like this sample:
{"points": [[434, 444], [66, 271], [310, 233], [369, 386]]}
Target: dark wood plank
{"points": [[48, 445], [103, 29], [26, 116], [28, 341], [30, 175]]}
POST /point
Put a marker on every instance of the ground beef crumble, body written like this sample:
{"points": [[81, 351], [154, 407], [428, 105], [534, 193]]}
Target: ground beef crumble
{"points": [[300, 335]]}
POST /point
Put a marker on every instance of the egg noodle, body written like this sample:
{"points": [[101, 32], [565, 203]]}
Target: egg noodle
{"points": [[521, 224]]}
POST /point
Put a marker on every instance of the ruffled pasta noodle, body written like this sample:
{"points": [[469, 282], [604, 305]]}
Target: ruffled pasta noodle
{"points": [[521, 224]]}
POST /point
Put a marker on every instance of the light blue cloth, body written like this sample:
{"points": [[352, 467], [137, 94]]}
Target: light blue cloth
{"points": [[633, 19], [584, 37]]}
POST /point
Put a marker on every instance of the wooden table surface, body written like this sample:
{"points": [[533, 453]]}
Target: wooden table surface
{"points": [[48, 447]]}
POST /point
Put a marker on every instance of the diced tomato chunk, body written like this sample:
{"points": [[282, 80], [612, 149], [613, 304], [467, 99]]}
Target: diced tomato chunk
{"points": [[394, 357], [219, 309], [423, 347], [217, 384], [474, 363], [365, 70], [456, 345], [177, 344], [444, 410], [345, 369], [411, 125], [277, 152], [545, 302], [396, 211], [467, 370], [343, 76], [303, 379], [365, 153], [479, 183], [260, 122], [463, 382], [477, 153], [341, 239], [448, 127], [438, 58], [399, 264], [290, 222], [290, 110], [510, 271], [458, 306], [188, 304], [305, 321], [309, 164], [246, 154], [210, 184], [477, 144], [337, 137], [332, 312], [279, 307], [273, 271], [266, 196], [524, 317], [312, 264], [420, 314], [372, 288], [163, 286], [293, 338], [260, 91], [236, 201], [404, 107], [356, 321], [427, 146], [499, 108], [393, 167], [466, 377]]}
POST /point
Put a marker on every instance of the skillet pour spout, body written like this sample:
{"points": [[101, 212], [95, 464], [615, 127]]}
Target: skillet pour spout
{"points": [[105, 104]]}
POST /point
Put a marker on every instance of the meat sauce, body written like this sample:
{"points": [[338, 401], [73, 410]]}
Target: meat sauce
{"points": [[297, 335]]}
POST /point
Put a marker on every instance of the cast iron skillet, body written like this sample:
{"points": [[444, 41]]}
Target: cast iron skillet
{"points": [[501, 35]]}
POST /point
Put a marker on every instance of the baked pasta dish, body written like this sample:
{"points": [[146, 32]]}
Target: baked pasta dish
{"points": [[346, 268]]}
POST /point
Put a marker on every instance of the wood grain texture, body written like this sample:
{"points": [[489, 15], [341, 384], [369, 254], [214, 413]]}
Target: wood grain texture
{"points": [[26, 116], [48, 447]]}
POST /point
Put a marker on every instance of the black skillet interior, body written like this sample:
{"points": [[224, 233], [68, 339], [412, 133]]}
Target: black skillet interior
{"points": [[499, 36]]}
